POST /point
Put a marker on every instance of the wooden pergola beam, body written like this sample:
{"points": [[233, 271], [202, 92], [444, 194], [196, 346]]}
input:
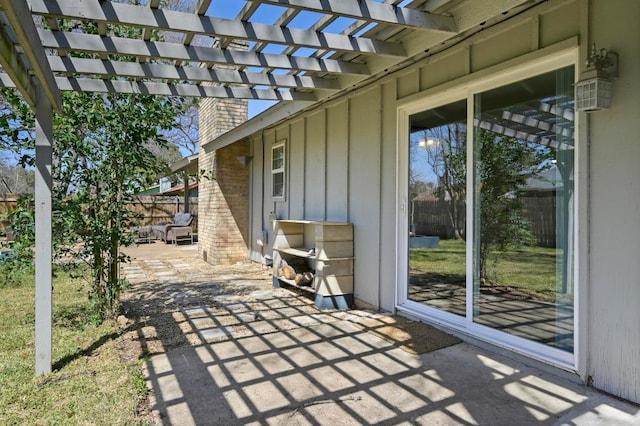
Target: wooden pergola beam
{"points": [[146, 35], [176, 89], [200, 9], [15, 68], [106, 69], [172, 51], [19, 17]]}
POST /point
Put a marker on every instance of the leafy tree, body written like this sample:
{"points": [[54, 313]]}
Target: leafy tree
{"points": [[22, 221], [16, 121], [105, 148], [110, 159], [100, 159], [15, 179], [503, 167], [446, 155]]}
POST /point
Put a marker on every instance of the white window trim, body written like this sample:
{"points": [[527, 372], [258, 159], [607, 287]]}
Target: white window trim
{"points": [[279, 144], [466, 90]]}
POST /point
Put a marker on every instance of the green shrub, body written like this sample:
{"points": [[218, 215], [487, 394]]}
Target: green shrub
{"points": [[15, 273]]}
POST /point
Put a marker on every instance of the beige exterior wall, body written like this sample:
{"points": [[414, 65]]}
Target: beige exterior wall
{"points": [[613, 312], [341, 165], [341, 157]]}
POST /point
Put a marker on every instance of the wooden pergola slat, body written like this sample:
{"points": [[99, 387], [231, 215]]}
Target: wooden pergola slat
{"points": [[80, 84], [167, 20], [146, 35], [200, 9], [374, 12]]}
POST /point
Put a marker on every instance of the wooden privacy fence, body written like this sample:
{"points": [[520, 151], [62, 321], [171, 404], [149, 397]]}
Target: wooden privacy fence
{"points": [[8, 202], [432, 217], [541, 214], [157, 209], [153, 209]]}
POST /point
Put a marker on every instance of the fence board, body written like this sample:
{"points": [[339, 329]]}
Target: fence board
{"points": [[8, 202], [431, 217]]}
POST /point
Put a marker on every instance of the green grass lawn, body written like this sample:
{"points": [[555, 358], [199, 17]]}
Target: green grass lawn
{"points": [[91, 384], [530, 270]]}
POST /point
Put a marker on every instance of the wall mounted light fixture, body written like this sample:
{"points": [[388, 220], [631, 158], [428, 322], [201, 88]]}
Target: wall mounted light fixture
{"points": [[593, 90]]}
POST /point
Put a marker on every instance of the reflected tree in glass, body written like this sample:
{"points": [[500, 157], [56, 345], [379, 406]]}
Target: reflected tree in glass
{"points": [[446, 156], [504, 166], [437, 188]]}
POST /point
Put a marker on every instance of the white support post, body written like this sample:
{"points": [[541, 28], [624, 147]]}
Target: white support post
{"points": [[43, 207]]}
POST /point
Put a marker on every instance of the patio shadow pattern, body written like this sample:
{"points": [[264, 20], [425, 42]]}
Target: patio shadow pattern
{"points": [[224, 347]]}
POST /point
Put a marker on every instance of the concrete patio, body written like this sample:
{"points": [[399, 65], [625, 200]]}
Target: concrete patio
{"points": [[224, 347]]}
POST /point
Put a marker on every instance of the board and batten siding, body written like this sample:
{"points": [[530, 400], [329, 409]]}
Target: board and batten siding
{"points": [[333, 173], [613, 312], [388, 196], [341, 157], [364, 191], [315, 171], [296, 178], [341, 166], [337, 206]]}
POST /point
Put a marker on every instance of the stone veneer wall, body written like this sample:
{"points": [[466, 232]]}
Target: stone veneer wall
{"points": [[223, 206]]}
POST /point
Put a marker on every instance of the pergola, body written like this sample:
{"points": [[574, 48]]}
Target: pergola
{"points": [[300, 51]]}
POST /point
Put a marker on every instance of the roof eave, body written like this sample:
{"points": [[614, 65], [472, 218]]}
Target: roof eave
{"points": [[189, 164], [277, 113]]}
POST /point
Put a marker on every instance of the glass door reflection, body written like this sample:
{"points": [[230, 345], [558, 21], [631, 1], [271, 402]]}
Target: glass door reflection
{"points": [[437, 222], [524, 208]]}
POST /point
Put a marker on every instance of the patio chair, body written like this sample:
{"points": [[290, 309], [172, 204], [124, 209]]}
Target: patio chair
{"points": [[178, 230]]}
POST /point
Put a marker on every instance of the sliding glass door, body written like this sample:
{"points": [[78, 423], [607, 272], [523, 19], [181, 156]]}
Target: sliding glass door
{"points": [[524, 208], [491, 208]]}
